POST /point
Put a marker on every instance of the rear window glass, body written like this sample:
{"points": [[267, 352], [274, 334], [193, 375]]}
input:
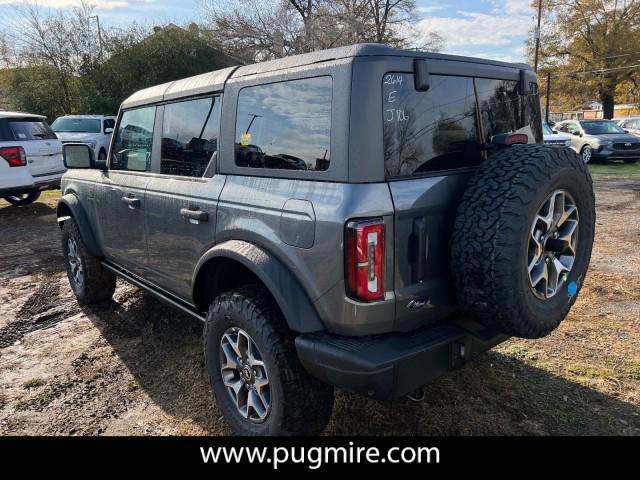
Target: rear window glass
{"points": [[505, 111], [440, 129], [30, 129], [285, 125], [80, 125], [432, 130]]}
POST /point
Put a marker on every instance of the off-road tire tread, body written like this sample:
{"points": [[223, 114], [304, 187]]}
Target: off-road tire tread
{"points": [[307, 402], [99, 283], [482, 271]]}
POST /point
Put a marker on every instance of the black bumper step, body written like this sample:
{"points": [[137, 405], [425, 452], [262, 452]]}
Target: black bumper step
{"points": [[391, 365]]}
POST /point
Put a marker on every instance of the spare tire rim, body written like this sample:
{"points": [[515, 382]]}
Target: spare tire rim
{"points": [[244, 375], [552, 244]]}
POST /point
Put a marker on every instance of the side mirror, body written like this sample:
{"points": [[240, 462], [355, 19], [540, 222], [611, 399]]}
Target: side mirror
{"points": [[108, 130], [81, 155], [555, 132], [626, 131]]}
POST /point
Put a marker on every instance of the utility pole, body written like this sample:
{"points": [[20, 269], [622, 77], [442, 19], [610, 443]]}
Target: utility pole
{"points": [[99, 35], [537, 35], [546, 112]]}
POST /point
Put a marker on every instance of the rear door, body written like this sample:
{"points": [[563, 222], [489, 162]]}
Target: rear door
{"points": [[433, 140], [41, 146], [182, 198]]}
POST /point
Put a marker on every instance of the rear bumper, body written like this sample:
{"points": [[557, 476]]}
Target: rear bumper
{"points": [[38, 186], [391, 365]]}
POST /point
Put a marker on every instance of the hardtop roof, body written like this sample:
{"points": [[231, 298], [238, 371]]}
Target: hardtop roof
{"points": [[214, 81]]}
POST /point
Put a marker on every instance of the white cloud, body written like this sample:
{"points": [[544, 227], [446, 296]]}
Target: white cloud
{"points": [[101, 4]]}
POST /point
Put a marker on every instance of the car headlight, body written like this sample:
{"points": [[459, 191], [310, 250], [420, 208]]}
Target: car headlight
{"points": [[567, 143], [605, 142]]}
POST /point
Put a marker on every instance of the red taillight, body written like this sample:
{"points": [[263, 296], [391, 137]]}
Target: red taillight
{"points": [[365, 259], [516, 138], [14, 156]]}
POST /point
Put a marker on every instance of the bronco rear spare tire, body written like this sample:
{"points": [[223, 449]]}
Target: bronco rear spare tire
{"points": [[522, 239]]}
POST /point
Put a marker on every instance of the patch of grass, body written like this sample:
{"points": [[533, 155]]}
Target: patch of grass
{"points": [[633, 371], [21, 405], [590, 371], [520, 351], [33, 383], [615, 171]]}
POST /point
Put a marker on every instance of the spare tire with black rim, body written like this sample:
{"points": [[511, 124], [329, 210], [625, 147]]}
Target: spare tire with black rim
{"points": [[522, 239]]}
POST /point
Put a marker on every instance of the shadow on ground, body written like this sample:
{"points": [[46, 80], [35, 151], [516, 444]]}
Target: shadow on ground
{"points": [[497, 394]]}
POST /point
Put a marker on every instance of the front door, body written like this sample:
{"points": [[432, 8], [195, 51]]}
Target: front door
{"points": [[181, 199], [122, 194]]}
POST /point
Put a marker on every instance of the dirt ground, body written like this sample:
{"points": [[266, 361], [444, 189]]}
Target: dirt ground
{"points": [[135, 367]]}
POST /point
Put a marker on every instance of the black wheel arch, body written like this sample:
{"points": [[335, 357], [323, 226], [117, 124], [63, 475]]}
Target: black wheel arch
{"points": [[69, 206], [235, 263]]}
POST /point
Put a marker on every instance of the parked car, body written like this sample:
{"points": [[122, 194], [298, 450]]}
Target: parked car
{"points": [[352, 217], [94, 130], [31, 157], [601, 141], [553, 137], [630, 125]]}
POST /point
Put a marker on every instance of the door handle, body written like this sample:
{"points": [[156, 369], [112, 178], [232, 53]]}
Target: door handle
{"points": [[132, 202], [194, 215]]}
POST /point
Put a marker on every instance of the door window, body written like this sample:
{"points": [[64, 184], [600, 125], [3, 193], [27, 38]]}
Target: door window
{"points": [[189, 136], [132, 146]]}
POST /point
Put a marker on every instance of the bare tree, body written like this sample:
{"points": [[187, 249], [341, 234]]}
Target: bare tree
{"points": [[258, 30]]}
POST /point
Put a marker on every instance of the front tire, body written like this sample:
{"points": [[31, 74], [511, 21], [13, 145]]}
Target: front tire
{"points": [[256, 377], [22, 199], [586, 154], [89, 280], [102, 155]]}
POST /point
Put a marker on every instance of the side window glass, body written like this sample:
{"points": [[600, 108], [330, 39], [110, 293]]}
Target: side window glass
{"points": [[428, 131], [132, 146], [504, 110], [189, 136], [285, 125]]}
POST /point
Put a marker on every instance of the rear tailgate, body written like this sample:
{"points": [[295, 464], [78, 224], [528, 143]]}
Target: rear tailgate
{"points": [[425, 210], [42, 149]]}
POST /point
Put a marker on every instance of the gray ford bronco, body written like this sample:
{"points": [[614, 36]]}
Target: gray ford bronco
{"points": [[362, 217]]}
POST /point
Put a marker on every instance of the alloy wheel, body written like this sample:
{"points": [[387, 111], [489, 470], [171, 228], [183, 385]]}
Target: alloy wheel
{"points": [[244, 375], [552, 244]]}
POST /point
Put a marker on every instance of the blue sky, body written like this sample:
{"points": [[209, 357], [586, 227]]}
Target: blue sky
{"points": [[486, 28]]}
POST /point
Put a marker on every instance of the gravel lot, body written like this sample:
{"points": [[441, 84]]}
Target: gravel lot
{"points": [[135, 367]]}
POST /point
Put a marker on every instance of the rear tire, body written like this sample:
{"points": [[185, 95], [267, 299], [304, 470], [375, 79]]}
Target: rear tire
{"points": [[89, 280], [500, 239], [23, 199], [291, 402]]}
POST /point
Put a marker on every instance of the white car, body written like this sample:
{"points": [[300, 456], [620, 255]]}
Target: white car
{"points": [[553, 137], [30, 157], [630, 125], [94, 130]]}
